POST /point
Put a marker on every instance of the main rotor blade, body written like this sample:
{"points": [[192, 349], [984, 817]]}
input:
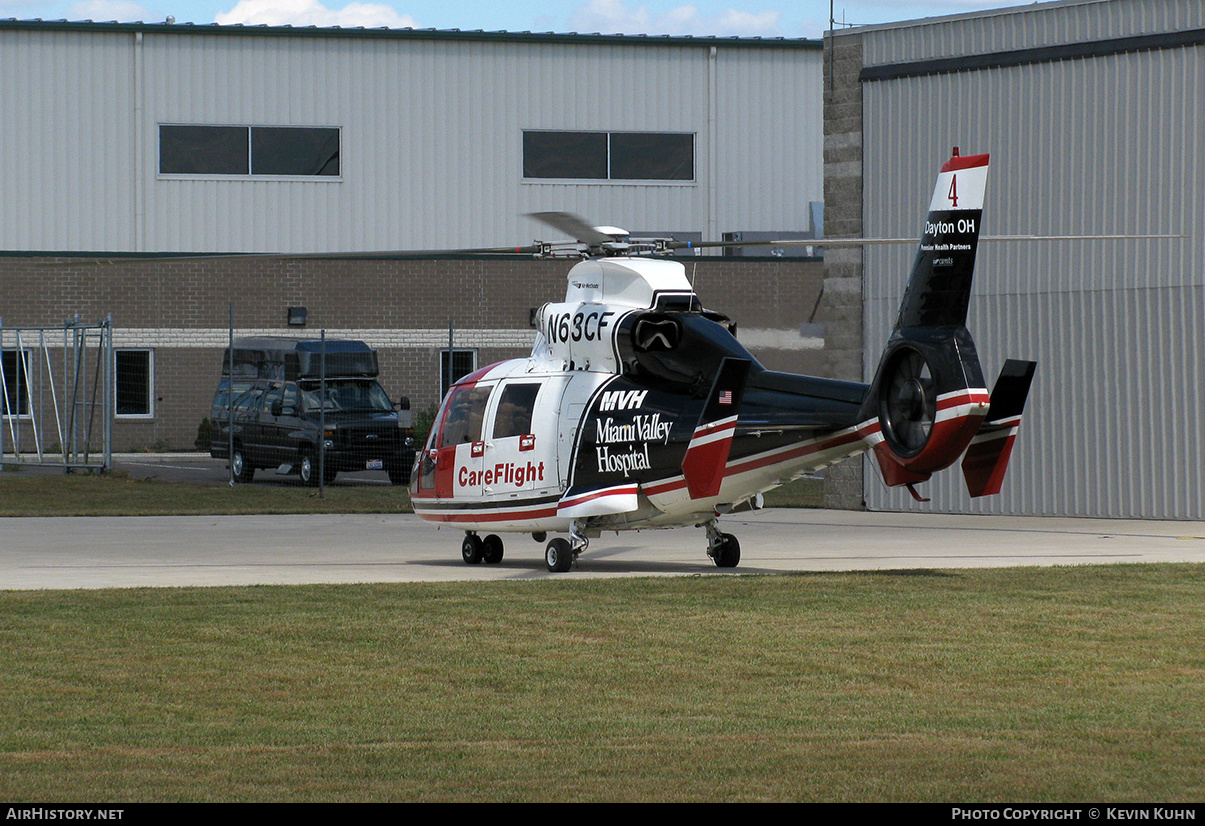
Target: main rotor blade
{"points": [[150, 258], [859, 242], [572, 225]]}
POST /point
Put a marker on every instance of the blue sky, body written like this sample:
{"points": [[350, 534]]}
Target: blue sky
{"points": [[725, 18]]}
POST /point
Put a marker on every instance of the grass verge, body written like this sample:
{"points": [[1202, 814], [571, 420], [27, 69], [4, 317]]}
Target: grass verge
{"points": [[116, 494], [1046, 685]]}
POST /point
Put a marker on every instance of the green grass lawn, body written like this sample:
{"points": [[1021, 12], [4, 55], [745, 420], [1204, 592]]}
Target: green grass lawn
{"points": [[78, 494], [1038, 685]]}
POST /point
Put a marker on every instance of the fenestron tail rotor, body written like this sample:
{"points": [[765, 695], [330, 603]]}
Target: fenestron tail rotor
{"points": [[908, 406]]}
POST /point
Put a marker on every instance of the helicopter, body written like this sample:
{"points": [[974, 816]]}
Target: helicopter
{"points": [[638, 408]]}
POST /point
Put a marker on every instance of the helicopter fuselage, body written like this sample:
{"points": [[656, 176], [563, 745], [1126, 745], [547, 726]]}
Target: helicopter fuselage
{"points": [[597, 423]]}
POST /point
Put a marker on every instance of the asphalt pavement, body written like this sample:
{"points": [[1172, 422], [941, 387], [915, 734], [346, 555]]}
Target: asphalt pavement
{"points": [[122, 552]]}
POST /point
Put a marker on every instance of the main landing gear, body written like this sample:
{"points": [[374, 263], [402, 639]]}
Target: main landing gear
{"points": [[474, 549], [723, 548], [560, 554]]}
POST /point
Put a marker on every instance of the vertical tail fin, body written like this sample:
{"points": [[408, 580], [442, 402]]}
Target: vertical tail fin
{"points": [[928, 396], [940, 285]]}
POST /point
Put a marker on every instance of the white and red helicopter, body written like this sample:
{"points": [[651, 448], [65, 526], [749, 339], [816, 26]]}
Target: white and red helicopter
{"points": [[638, 408]]}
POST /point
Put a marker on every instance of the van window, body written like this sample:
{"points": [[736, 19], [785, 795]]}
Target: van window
{"points": [[345, 394], [292, 400], [275, 394], [248, 401]]}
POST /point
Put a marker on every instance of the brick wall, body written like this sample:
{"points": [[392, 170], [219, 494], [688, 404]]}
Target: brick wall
{"points": [[180, 309]]}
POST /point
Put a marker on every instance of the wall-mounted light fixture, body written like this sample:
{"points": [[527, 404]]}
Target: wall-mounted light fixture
{"points": [[297, 316]]}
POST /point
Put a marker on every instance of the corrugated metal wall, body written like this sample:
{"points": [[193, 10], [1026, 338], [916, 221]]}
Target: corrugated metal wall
{"points": [[431, 140], [67, 137], [1098, 146]]}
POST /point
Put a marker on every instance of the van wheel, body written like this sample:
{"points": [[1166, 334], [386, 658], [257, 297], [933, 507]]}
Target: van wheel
{"points": [[239, 469], [399, 475], [308, 470]]}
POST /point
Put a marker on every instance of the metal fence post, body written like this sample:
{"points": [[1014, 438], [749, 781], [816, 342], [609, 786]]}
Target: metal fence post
{"points": [[230, 399], [322, 418]]}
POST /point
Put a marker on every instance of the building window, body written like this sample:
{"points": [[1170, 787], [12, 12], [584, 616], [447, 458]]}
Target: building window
{"points": [[133, 376], [615, 156], [453, 368], [288, 151], [14, 376]]}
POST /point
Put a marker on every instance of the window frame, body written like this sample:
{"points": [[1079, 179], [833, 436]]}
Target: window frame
{"points": [[150, 383], [251, 174], [23, 357], [610, 178], [447, 367]]}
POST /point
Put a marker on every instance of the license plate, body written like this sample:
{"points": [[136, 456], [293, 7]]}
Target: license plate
{"points": [[374, 464]]}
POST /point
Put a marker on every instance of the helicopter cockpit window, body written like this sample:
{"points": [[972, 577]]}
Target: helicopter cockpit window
{"points": [[466, 414], [515, 410]]}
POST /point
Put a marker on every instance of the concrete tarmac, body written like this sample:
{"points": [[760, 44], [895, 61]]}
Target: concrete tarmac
{"points": [[125, 552]]}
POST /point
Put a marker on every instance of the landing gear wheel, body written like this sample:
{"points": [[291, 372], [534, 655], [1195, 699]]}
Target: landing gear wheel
{"points": [[728, 553], [239, 469], [559, 555], [491, 549], [472, 549]]}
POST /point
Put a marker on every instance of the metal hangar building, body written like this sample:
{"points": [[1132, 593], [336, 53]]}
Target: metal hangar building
{"points": [[1092, 113], [129, 144]]}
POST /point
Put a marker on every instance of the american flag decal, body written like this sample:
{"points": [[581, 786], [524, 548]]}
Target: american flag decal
{"points": [[725, 397]]}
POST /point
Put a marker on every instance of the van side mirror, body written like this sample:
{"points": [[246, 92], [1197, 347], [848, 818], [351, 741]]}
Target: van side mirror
{"points": [[405, 420], [277, 408]]}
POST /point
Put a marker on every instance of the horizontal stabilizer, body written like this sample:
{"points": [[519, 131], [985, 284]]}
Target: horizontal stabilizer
{"points": [[987, 456]]}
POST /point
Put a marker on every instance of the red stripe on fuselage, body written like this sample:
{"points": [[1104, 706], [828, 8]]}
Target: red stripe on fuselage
{"points": [[625, 490], [493, 515]]}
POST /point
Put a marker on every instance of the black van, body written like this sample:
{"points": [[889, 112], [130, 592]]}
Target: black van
{"points": [[276, 407]]}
